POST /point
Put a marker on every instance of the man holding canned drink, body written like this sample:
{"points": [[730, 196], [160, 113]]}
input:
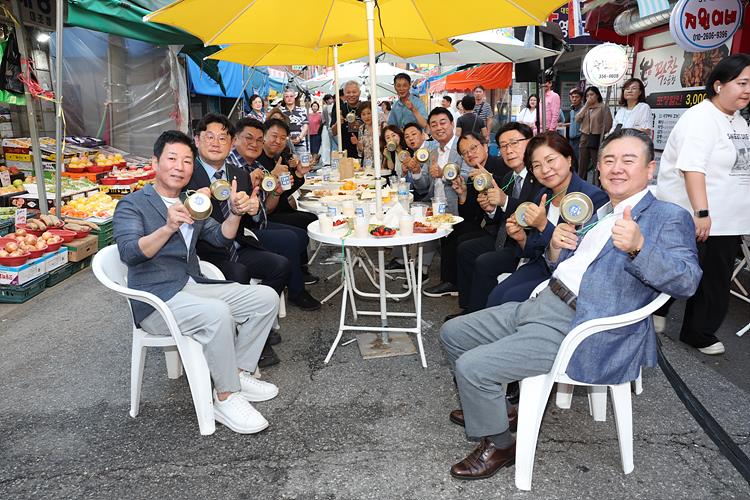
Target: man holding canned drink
{"points": [[156, 237]]}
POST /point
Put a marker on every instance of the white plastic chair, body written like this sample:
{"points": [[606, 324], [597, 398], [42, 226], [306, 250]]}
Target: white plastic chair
{"points": [[180, 352], [535, 393]]}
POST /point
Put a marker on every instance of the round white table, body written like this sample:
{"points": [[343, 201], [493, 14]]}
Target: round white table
{"points": [[342, 239]]}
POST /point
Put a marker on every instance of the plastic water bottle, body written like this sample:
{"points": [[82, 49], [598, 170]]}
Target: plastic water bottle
{"points": [[403, 193]]}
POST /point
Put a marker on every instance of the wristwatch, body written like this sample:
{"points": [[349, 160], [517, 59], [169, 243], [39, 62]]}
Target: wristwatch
{"points": [[701, 214]]}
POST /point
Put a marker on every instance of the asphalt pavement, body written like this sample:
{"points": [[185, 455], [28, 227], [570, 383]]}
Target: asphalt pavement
{"points": [[352, 429]]}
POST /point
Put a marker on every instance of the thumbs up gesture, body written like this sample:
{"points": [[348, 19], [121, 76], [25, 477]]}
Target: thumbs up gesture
{"points": [[536, 215], [626, 235], [435, 171], [239, 202], [254, 202]]}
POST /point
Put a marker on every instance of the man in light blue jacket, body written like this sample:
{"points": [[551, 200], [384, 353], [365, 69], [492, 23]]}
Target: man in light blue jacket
{"points": [[641, 248], [156, 237]]}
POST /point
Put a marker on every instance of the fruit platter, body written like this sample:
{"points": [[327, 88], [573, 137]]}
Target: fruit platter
{"points": [[380, 231]]}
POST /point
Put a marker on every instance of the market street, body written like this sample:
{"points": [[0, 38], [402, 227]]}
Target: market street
{"points": [[352, 429]]}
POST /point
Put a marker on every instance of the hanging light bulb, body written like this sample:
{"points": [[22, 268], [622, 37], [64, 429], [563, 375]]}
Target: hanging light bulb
{"points": [[42, 37]]}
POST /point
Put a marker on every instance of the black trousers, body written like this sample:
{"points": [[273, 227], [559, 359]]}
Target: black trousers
{"points": [[256, 263], [449, 249], [705, 311], [290, 242], [292, 217], [479, 264]]}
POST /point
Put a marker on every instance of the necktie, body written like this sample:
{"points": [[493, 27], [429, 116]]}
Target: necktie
{"points": [[517, 185], [225, 211]]}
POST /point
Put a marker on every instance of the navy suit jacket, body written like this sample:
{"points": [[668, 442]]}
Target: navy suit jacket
{"points": [[537, 241], [140, 214], [616, 284]]}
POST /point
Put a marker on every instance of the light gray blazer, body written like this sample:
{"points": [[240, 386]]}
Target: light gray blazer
{"points": [[141, 213]]}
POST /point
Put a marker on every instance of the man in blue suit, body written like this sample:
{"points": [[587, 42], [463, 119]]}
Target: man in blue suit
{"points": [[641, 248], [156, 237]]}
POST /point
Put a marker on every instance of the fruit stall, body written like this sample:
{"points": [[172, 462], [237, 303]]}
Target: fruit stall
{"points": [[39, 250]]}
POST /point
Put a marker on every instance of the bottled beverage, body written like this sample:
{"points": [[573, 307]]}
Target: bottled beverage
{"points": [[403, 193]]}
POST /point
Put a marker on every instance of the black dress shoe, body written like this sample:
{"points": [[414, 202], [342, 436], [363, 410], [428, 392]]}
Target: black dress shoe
{"points": [[455, 315], [457, 417], [309, 278], [441, 289], [268, 358], [273, 338], [484, 461], [306, 302], [394, 265], [513, 393]]}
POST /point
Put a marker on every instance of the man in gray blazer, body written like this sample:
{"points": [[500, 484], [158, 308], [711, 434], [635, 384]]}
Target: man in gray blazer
{"points": [[156, 238], [641, 248]]}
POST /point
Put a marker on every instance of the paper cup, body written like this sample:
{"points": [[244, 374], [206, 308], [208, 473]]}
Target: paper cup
{"points": [[326, 224], [406, 225]]}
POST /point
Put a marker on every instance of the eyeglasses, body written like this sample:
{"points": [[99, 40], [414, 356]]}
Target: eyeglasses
{"points": [[504, 146], [251, 139], [471, 150], [211, 137], [548, 162]]}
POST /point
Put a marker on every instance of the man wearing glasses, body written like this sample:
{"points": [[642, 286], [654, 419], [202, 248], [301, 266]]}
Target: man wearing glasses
{"points": [[246, 258], [481, 260]]}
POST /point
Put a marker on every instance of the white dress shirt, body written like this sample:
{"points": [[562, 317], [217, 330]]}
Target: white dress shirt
{"points": [[570, 271]]}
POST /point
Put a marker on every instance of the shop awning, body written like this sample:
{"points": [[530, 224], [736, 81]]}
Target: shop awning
{"points": [[234, 76], [490, 76]]}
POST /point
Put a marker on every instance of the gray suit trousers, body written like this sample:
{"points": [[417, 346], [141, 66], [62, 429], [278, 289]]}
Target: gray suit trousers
{"points": [[500, 345], [211, 313]]}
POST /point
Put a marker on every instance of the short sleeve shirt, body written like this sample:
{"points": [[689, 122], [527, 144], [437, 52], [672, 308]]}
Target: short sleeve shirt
{"points": [[469, 122], [483, 111], [297, 119]]}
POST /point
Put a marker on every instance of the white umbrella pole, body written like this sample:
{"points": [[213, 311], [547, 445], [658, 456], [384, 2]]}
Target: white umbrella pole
{"points": [[336, 99], [59, 132], [370, 6]]}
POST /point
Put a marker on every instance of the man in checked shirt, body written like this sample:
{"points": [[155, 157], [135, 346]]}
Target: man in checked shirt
{"points": [[282, 239]]}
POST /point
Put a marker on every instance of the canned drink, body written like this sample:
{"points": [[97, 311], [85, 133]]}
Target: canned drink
{"points": [[351, 117], [268, 183], [198, 205], [450, 171], [305, 159], [285, 180], [576, 208], [422, 154], [391, 146], [404, 156], [482, 181], [521, 213], [221, 189]]}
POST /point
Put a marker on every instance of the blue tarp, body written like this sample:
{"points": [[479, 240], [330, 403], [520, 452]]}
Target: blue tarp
{"points": [[233, 78]]}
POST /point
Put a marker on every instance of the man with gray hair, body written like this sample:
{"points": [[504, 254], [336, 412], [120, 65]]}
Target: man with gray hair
{"points": [[349, 117]]}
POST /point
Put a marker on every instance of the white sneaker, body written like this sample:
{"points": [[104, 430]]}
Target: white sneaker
{"points": [[713, 349], [255, 390], [660, 323], [239, 415]]}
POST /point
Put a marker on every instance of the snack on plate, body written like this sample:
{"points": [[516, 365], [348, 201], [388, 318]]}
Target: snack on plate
{"points": [[382, 231], [339, 222], [319, 193], [442, 219], [420, 227], [349, 186]]}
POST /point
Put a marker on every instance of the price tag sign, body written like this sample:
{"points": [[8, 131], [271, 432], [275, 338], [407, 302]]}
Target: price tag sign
{"points": [[20, 217], [4, 178]]}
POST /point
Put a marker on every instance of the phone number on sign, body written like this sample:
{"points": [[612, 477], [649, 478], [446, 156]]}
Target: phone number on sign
{"points": [[710, 35]]}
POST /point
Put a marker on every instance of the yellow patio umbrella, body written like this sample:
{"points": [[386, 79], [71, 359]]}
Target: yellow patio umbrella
{"points": [[263, 54], [322, 23]]}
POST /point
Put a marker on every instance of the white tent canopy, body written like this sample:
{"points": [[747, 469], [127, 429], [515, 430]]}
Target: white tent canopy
{"points": [[359, 71], [492, 46]]}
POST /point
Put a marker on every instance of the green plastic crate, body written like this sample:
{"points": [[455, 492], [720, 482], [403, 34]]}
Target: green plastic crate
{"points": [[11, 294], [57, 275], [7, 227], [80, 265]]}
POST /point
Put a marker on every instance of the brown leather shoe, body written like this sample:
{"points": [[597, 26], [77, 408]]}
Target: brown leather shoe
{"points": [[457, 417], [484, 461]]}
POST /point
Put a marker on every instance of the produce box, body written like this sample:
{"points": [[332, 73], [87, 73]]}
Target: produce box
{"points": [[32, 200], [17, 294], [82, 247], [18, 275], [6, 227], [56, 259]]}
